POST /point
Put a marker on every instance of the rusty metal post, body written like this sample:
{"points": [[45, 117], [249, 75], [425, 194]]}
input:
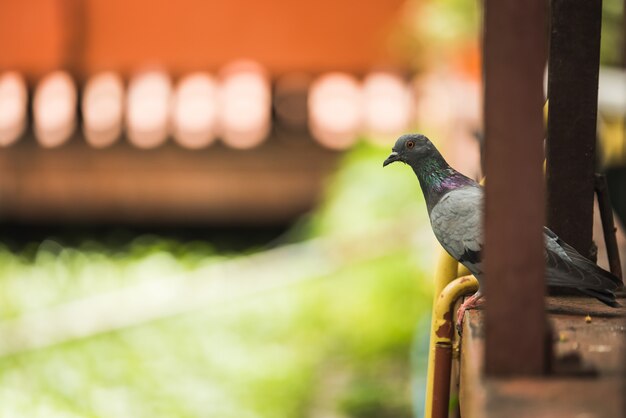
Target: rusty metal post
{"points": [[515, 45], [441, 381], [573, 93], [608, 225]]}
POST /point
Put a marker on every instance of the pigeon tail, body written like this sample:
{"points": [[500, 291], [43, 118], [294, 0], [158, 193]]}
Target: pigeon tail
{"points": [[605, 296], [567, 267]]}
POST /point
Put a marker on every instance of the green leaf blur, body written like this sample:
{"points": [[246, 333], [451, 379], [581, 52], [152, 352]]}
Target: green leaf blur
{"points": [[335, 345]]}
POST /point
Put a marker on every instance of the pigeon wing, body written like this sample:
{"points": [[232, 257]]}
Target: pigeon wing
{"points": [[567, 267], [457, 223]]}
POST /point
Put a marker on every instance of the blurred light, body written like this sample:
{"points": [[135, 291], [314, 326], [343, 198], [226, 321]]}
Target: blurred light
{"points": [[54, 108], [195, 111], [290, 100], [388, 106], [435, 102], [612, 92], [335, 110], [103, 109], [245, 105], [148, 107], [13, 102]]}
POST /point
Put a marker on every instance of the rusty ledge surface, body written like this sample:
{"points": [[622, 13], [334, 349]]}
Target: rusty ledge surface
{"points": [[588, 367]]}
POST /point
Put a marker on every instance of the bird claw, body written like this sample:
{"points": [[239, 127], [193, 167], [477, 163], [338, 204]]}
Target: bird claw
{"points": [[471, 302], [459, 319]]}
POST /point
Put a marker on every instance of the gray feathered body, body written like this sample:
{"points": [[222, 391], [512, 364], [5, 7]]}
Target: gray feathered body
{"points": [[456, 220]]}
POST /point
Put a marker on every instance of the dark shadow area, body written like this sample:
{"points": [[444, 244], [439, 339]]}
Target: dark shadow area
{"points": [[115, 237]]}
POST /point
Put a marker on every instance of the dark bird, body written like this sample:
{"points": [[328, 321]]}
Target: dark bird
{"points": [[455, 209]]}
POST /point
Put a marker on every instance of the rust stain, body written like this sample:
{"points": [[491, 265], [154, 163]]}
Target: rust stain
{"points": [[445, 330], [465, 279]]}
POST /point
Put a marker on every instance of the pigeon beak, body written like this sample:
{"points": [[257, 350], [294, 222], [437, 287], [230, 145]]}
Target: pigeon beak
{"points": [[394, 156]]}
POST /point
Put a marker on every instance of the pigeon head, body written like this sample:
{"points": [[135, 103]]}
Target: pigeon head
{"points": [[411, 149]]}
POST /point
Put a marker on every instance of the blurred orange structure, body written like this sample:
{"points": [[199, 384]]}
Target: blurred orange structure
{"points": [[107, 47], [88, 36]]}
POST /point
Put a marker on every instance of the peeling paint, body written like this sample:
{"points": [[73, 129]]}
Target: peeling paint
{"points": [[444, 328]]}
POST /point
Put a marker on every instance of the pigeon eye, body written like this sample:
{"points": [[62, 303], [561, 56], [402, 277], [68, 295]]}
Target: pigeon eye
{"points": [[410, 144]]}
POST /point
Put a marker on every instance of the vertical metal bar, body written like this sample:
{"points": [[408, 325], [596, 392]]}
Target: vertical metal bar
{"points": [[623, 377], [442, 332], [573, 93], [441, 381], [515, 44], [608, 225], [446, 272]]}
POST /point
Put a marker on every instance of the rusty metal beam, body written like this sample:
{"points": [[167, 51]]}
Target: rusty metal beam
{"points": [[514, 61], [273, 183], [573, 93]]}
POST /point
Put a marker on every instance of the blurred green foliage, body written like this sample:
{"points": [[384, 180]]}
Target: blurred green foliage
{"points": [[612, 38], [446, 23], [335, 346]]}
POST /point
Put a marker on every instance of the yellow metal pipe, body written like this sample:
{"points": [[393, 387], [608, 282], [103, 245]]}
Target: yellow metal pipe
{"points": [[447, 269], [463, 271], [438, 398], [445, 305]]}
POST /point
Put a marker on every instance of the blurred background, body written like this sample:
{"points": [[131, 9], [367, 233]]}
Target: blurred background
{"points": [[194, 219]]}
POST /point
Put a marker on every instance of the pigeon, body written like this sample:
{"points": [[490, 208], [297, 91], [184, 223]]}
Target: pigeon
{"points": [[455, 208]]}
